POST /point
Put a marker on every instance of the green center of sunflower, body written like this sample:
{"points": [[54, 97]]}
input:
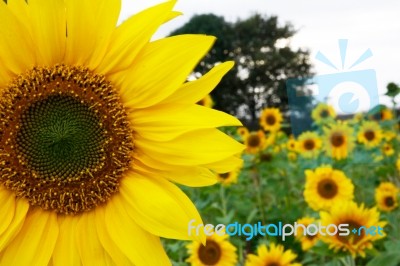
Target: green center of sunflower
{"points": [[211, 253], [309, 144], [337, 140], [60, 136], [65, 140], [369, 135], [389, 201], [327, 188], [271, 120]]}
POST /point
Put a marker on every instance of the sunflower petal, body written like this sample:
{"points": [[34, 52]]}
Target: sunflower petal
{"points": [[21, 208], [166, 122], [210, 146], [226, 165], [194, 91], [154, 76], [48, 25], [85, 41], [35, 242], [131, 36], [16, 46], [66, 241], [90, 249], [7, 208], [105, 239], [124, 232], [166, 211]]}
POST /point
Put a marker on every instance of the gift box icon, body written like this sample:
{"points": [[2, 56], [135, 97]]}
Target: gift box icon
{"points": [[348, 91]]}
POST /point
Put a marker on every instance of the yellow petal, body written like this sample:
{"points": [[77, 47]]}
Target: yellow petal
{"points": [[194, 91], [48, 27], [16, 46], [131, 36], [161, 68], [141, 247], [66, 241], [7, 208], [89, 28], [166, 122], [35, 242], [21, 209], [193, 148], [105, 239], [159, 207], [226, 165], [90, 249]]}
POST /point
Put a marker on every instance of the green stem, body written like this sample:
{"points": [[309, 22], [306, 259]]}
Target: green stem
{"points": [[223, 201]]}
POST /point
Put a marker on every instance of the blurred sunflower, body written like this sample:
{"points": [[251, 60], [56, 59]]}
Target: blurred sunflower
{"points": [[384, 114], [255, 141], [217, 251], [325, 187], [386, 195], [271, 119], [338, 140], [207, 101], [274, 255], [95, 125], [292, 156], [398, 164], [323, 113], [387, 149], [307, 240], [388, 135], [355, 216], [309, 144], [243, 132], [228, 178], [370, 134], [291, 144]]}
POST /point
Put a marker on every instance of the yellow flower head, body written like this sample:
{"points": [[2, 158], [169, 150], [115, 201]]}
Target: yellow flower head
{"points": [[358, 218], [387, 149], [291, 144], [382, 115], [271, 119], [398, 164], [386, 196], [97, 124], [229, 178], [292, 156], [255, 141], [242, 132], [307, 240], [271, 256], [338, 140], [309, 144], [323, 113], [217, 251], [325, 187], [370, 134], [207, 101]]}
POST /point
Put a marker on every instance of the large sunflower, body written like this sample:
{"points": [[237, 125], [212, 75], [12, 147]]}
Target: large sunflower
{"points": [[274, 255], [386, 195], [325, 187], [96, 121], [309, 144], [370, 134], [356, 217], [339, 140], [271, 119], [217, 251]]}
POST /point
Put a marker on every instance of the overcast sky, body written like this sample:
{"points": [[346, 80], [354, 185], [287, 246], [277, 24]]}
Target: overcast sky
{"points": [[368, 24]]}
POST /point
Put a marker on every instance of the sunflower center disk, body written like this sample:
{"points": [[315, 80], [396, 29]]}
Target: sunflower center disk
{"points": [[337, 140], [66, 140], [271, 120], [389, 201], [309, 144], [210, 254], [369, 135], [327, 188]]}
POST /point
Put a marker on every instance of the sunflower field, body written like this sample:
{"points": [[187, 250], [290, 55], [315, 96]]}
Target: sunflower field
{"points": [[340, 172]]}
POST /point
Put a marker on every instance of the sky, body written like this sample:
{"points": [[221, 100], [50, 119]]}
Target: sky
{"points": [[366, 25]]}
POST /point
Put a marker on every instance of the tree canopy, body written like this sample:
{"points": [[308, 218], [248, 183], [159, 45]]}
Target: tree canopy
{"points": [[263, 62]]}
